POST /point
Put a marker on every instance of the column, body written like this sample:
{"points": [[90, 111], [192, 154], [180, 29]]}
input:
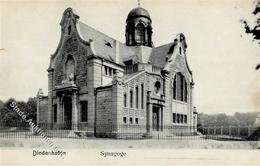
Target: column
{"points": [[149, 112], [160, 119], [117, 105], [74, 112], [58, 113], [151, 117], [50, 100]]}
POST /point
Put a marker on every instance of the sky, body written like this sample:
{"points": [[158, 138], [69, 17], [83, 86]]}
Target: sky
{"points": [[221, 56]]}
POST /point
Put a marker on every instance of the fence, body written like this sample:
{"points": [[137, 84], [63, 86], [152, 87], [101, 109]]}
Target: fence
{"points": [[81, 131], [231, 132]]}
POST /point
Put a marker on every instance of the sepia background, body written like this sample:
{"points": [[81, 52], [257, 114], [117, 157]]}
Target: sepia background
{"points": [[220, 54]]}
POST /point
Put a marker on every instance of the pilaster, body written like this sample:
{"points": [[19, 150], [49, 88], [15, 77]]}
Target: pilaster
{"points": [[117, 104], [74, 112]]}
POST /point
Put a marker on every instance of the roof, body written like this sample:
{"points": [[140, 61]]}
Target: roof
{"points": [[103, 45], [159, 54], [128, 77], [138, 12]]}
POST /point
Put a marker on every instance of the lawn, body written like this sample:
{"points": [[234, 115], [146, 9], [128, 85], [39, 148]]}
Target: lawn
{"points": [[97, 143]]}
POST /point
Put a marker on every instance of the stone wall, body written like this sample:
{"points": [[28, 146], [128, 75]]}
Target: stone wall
{"points": [[103, 112], [42, 112], [72, 46]]}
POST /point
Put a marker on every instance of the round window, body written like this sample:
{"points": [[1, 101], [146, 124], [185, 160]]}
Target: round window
{"points": [[157, 86]]}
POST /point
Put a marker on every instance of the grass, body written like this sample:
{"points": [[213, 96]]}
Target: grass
{"points": [[96, 143]]}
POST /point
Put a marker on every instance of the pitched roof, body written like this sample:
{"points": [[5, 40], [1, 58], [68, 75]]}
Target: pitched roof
{"points": [[128, 77], [103, 45], [159, 54]]}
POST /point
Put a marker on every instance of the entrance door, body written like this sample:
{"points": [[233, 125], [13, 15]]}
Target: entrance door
{"points": [[155, 118], [67, 113]]}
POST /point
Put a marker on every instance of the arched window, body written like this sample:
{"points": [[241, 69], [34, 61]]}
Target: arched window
{"points": [[131, 98], [185, 92], [180, 87], [125, 100], [70, 68], [142, 96], [136, 96], [140, 34], [69, 30], [149, 35]]}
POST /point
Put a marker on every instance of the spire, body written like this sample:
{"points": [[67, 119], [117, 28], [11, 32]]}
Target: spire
{"points": [[139, 3]]}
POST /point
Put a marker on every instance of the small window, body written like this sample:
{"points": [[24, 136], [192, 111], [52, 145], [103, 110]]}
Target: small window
{"points": [[55, 112], [142, 96], [178, 118], [181, 118], [125, 100], [69, 30], [131, 98], [106, 70], [124, 120], [174, 88], [84, 111], [136, 120], [110, 71], [174, 118], [136, 97], [185, 118], [157, 86], [108, 44], [131, 120]]}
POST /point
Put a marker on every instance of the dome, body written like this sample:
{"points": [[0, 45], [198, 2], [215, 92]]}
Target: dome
{"points": [[138, 12]]}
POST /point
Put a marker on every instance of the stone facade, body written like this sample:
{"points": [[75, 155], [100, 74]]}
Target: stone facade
{"points": [[105, 88]]}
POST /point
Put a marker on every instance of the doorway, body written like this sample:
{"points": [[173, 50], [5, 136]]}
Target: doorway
{"points": [[67, 103], [155, 119]]}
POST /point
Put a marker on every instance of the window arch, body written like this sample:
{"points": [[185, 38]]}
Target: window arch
{"points": [[180, 88], [140, 34], [142, 95], [125, 100], [136, 97], [69, 30], [70, 68], [131, 98]]}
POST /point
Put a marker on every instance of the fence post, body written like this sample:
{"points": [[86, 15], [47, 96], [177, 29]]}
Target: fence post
{"points": [[208, 130], [221, 130], [238, 130], [214, 130], [229, 131]]}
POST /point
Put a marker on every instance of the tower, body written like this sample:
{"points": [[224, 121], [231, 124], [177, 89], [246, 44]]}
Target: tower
{"points": [[138, 28]]}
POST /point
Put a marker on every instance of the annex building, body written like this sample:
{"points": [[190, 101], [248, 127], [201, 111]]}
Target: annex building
{"points": [[104, 88]]}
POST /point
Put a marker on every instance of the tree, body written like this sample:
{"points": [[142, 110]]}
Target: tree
{"points": [[1, 104], [254, 30], [32, 108], [238, 119], [8, 116]]}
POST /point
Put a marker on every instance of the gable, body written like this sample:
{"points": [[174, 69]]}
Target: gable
{"points": [[70, 45]]}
